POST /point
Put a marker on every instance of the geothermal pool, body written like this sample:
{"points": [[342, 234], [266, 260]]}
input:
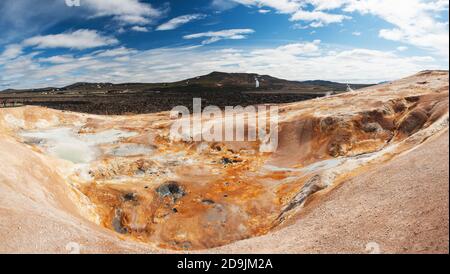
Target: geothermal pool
{"points": [[67, 144]]}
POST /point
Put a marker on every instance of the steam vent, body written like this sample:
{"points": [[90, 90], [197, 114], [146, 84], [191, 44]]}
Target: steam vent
{"points": [[369, 165]]}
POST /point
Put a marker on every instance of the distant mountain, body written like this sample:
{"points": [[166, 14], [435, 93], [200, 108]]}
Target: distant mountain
{"points": [[83, 85], [333, 85], [245, 80], [251, 81], [215, 81]]}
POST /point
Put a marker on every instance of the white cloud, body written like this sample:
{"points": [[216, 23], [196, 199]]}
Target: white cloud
{"points": [[356, 33], [319, 18], [124, 11], [215, 36], [283, 6], [263, 11], [413, 20], [80, 39], [121, 51], [296, 8], [295, 49], [179, 21], [296, 61], [59, 59], [139, 29], [299, 26], [222, 5], [11, 52], [25, 18], [327, 4]]}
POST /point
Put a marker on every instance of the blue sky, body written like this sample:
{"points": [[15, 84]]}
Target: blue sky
{"points": [[57, 42]]}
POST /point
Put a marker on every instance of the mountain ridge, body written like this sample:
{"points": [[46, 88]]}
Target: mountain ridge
{"points": [[214, 80]]}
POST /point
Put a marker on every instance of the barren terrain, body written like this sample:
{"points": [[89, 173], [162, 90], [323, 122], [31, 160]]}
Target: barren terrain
{"points": [[217, 88], [353, 173]]}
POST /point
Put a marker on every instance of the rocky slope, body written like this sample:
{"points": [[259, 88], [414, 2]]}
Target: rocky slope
{"points": [[365, 169]]}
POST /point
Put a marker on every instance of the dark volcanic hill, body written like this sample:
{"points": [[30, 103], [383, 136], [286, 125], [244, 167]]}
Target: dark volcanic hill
{"points": [[217, 88], [240, 80], [214, 81], [264, 82]]}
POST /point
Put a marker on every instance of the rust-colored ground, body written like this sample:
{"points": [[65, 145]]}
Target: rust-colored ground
{"points": [[351, 171]]}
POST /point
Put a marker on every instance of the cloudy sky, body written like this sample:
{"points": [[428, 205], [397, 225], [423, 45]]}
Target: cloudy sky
{"points": [[51, 43]]}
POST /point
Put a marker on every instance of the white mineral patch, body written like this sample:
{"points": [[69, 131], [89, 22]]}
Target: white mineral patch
{"points": [[67, 144], [42, 124], [125, 150], [323, 165], [64, 144], [105, 137], [13, 121], [272, 168]]}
